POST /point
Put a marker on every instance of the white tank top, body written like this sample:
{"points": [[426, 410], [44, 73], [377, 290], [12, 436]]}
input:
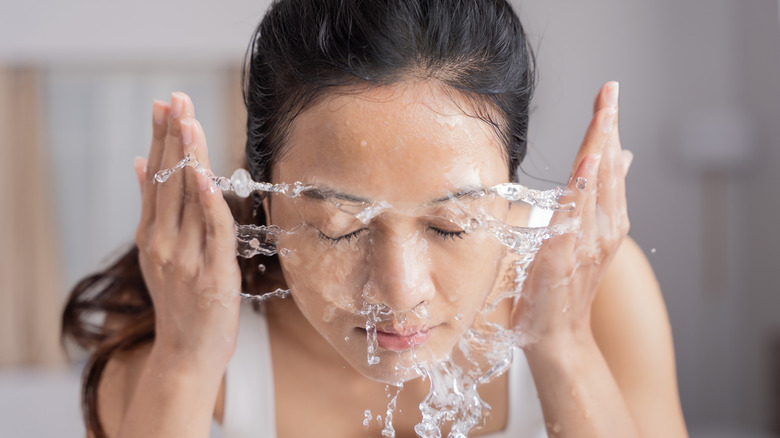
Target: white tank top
{"points": [[249, 385]]}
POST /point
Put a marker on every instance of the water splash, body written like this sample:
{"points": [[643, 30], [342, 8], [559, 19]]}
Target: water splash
{"points": [[240, 182], [547, 199], [257, 240], [486, 349], [373, 313], [278, 293], [389, 431]]}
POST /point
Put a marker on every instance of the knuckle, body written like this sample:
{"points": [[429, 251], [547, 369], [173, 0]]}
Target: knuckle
{"points": [[158, 252], [187, 271]]}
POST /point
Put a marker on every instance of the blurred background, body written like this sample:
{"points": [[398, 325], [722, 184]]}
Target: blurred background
{"points": [[700, 109]]}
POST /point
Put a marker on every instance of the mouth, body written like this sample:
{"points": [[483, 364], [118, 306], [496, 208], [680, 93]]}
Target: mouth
{"points": [[393, 340]]}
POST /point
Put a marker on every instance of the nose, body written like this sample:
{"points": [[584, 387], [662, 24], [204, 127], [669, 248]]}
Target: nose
{"points": [[400, 272]]}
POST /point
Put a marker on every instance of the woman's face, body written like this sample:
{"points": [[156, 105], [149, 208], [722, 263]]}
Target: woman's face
{"points": [[396, 175]]}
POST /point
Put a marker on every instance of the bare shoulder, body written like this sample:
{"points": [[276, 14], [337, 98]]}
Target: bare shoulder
{"points": [[117, 386], [631, 327]]}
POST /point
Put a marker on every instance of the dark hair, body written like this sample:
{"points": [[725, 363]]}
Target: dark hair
{"points": [[302, 50]]}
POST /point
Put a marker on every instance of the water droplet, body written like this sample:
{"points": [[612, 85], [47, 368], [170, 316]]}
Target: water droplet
{"points": [[371, 356], [242, 183], [652, 250], [261, 268], [223, 183], [366, 417], [163, 175], [363, 143], [421, 310], [458, 316], [581, 182], [346, 338]]}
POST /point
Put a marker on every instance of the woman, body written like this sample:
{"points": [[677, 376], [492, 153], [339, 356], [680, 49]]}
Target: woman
{"points": [[399, 105]]}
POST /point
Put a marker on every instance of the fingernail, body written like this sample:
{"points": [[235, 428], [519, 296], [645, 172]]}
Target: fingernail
{"points": [[186, 132], [177, 105], [609, 118], [613, 90], [158, 112]]}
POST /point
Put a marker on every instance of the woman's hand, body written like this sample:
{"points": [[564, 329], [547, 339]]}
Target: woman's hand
{"points": [[187, 244], [566, 272]]}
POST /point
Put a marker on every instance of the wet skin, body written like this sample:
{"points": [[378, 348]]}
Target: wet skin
{"points": [[408, 146]]}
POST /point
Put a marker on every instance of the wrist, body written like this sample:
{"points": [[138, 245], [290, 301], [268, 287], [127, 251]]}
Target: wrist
{"points": [[185, 361], [564, 348]]}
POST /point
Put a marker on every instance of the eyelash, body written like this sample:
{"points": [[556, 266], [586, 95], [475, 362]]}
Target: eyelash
{"points": [[451, 235], [448, 234], [347, 237]]}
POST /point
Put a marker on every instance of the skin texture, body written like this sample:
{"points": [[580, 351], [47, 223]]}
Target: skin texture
{"points": [[603, 368]]}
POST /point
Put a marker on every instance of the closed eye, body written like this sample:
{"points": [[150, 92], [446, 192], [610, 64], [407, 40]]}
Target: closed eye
{"points": [[447, 234], [345, 238]]}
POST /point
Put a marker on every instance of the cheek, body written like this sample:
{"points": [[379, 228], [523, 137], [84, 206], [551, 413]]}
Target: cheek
{"points": [[320, 273], [466, 277]]}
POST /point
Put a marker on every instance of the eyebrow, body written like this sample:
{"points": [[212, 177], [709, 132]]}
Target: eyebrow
{"points": [[323, 193]]}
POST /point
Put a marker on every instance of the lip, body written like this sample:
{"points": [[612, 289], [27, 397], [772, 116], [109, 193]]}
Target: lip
{"points": [[397, 341]]}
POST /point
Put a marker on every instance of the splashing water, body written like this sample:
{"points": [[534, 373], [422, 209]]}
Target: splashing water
{"points": [[389, 431], [486, 349], [367, 418], [278, 293]]}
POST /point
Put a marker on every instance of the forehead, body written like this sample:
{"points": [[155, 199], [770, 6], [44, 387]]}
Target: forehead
{"points": [[411, 142]]}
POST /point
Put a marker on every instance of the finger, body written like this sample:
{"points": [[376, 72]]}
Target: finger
{"points": [[193, 142], [139, 165], [201, 151], [219, 223], [561, 249], [595, 136], [582, 185], [169, 193], [607, 97], [622, 199], [160, 114], [611, 180]]}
